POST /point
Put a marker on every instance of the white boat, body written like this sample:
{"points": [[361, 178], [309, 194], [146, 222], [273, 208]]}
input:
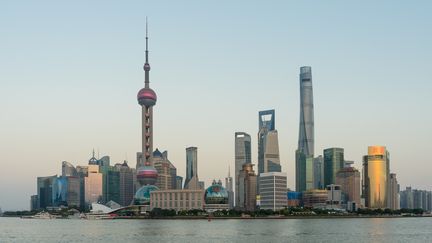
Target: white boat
{"points": [[40, 215]]}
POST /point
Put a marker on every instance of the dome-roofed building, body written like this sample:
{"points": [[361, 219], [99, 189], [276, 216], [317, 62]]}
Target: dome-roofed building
{"points": [[142, 196], [216, 197]]}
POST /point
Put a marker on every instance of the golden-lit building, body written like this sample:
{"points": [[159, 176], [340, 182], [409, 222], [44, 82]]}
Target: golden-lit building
{"points": [[93, 185], [376, 171]]}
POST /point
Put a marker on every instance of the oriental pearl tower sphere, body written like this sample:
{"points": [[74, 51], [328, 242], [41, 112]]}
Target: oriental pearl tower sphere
{"points": [[146, 173]]}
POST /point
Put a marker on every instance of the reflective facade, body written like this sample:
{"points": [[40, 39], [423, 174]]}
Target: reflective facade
{"points": [[318, 172], [191, 180], [333, 162], [142, 196], [268, 145], [93, 185], [306, 130], [376, 177], [305, 150], [242, 155]]}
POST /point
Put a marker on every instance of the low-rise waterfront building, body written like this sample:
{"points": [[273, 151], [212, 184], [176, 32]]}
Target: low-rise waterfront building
{"points": [[315, 198], [178, 200]]}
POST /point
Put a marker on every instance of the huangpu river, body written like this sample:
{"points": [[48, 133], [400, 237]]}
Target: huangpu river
{"points": [[227, 230]]}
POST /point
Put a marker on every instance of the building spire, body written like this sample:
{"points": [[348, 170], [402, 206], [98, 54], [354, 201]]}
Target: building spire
{"points": [[146, 65]]}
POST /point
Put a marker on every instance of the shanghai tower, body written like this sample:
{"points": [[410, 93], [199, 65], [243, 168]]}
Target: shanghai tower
{"points": [[305, 151]]}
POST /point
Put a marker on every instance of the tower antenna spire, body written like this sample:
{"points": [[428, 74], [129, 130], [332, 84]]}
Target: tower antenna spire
{"points": [[146, 65]]}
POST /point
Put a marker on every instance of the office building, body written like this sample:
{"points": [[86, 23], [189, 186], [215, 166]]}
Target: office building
{"points": [[273, 190], [179, 182], [305, 150], [110, 184], [333, 162], [46, 191], [268, 145], [334, 196], [349, 180], [93, 185], [167, 172], [33, 203], [191, 180], [376, 174], [247, 189], [126, 184], [318, 173], [243, 156]]}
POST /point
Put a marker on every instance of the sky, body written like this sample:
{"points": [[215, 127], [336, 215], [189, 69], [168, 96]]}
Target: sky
{"points": [[70, 72]]}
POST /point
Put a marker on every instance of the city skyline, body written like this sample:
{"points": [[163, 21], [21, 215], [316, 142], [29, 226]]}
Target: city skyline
{"points": [[81, 97]]}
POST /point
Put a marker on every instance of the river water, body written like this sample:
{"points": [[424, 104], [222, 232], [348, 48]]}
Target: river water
{"points": [[232, 230]]}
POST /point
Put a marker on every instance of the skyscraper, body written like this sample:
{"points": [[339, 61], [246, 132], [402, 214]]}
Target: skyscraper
{"points": [[191, 180], [167, 173], [305, 150], [146, 173], [333, 162], [247, 188], [318, 172], [126, 184], [242, 156], [376, 174], [268, 145], [93, 185]]}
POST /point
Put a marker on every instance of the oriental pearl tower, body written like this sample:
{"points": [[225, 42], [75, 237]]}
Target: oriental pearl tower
{"points": [[146, 172]]}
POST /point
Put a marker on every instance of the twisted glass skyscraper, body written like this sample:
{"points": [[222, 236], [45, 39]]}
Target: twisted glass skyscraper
{"points": [[305, 151]]}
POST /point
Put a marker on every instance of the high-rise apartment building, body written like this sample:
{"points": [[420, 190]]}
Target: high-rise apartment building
{"points": [[393, 197], [242, 156], [333, 162], [191, 180], [273, 190], [268, 145], [414, 198], [376, 173], [305, 150]]}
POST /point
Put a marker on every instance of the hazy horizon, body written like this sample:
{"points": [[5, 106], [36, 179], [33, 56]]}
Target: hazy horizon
{"points": [[71, 72]]}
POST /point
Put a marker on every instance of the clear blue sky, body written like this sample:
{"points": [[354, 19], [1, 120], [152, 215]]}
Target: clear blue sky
{"points": [[70, 72]]}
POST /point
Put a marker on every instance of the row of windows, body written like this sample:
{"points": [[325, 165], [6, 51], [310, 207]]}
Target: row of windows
{"points": [[175, 204], [176, 196]]}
